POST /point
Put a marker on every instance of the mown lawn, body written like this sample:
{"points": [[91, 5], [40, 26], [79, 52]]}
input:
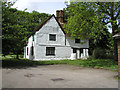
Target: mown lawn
{"points": [[94, 63]]}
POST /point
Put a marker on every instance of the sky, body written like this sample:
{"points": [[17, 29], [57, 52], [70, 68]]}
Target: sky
{"points": [[42, 6]]}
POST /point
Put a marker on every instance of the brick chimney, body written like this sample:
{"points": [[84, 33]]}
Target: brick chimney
{"points": [[59, 16]]}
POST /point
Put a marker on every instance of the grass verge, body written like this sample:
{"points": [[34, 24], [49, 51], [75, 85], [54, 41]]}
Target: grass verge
{"points": [[94, 63]]}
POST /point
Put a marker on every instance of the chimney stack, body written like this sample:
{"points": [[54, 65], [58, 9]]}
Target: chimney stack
{"points": [[59, 16]]}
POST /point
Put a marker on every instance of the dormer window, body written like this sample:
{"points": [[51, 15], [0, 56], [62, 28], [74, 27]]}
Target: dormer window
{"points": [[52, 37], [77, 40]]}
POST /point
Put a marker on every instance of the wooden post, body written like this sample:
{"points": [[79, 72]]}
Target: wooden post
{"points": [[118, 57]]}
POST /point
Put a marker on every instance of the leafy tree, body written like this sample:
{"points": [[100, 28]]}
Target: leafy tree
{"points": [[109, 12], [13, 32], [84, 21], [16, 26]]}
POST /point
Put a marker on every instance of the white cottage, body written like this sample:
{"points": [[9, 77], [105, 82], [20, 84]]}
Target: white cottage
{"points": [[50, 42]]}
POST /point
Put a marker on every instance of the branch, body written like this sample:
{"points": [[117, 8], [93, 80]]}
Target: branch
{"points": [[105, 22], [103, 10]]}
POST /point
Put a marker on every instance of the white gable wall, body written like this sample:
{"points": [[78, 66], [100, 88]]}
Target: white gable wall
{"points": [[51, 27]]}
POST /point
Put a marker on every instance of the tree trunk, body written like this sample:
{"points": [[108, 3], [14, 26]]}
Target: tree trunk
{"points": [[17, 56], [115, 50], [114, 31]]}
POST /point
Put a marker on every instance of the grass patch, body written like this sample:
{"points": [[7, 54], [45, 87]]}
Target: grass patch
{"points": [[118, 78], [94, 63]]}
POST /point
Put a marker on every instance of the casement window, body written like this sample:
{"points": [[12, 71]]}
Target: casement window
{"points": [[52, 37], [77, 40], [50, 51], [27, 50], [32, 50]]}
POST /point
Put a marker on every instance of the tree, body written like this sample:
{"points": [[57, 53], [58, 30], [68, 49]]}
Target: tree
{"points": [[84, 21], [13, 32], [109, 12], [16, 26]]}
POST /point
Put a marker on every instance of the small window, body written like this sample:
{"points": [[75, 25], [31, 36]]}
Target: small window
{"points": [[52, 37], [50, 51], [77, 40], [32, 50], [27, 50]]}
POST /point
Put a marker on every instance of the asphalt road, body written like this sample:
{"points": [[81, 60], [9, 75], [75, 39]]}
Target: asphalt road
{"points": [[58, 76]]}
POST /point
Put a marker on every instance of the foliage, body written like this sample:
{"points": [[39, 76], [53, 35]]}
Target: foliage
{"points": [[99, 53], [94, 63], [109, 12], [103, 40], [88, 19], [83, 22], [16, 26]]}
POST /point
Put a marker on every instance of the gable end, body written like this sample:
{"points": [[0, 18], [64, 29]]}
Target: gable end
{"points": [[41, 25]]}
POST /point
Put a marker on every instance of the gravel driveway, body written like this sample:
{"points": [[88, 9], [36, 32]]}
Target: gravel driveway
{"points": [[58, 76]]}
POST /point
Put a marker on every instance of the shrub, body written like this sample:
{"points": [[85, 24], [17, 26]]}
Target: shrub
{"points": [[99, 53], [110, 56]]}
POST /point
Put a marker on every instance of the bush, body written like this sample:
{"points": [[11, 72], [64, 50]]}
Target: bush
{"points": [[99, 53], [110, 55]]}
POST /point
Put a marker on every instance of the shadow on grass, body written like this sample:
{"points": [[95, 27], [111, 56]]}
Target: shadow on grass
{"points": [[21, 63]]}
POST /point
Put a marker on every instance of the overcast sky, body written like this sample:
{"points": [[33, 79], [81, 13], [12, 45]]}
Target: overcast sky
{"points": [[42, 6]]}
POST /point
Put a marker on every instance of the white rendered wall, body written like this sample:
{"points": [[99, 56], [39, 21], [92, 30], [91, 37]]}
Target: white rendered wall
{"points": [[60, 53], [29, 45], [51, 27]]}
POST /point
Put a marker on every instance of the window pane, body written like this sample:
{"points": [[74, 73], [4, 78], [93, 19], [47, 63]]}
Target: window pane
{"points": [[77, 40], [50, 50], [52, 37]]}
